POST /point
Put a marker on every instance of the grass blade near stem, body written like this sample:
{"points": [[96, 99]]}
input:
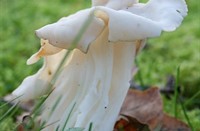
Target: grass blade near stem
{"points": [[9, 112], [185, 114], [49, 125], [192, 98], [90, 127], [55, 105], [66, 121], [176, 91], [8, 102], [57, 128], [38, 106]]}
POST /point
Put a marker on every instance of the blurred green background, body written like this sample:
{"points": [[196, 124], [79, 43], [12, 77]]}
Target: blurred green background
{"points": [[20, 18]]}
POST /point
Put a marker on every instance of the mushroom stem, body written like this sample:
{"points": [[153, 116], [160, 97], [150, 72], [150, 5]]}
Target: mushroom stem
{"points": [[97, 82]]}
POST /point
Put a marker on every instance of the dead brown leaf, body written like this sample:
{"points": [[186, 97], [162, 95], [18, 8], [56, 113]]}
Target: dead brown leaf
{"points": [[173, 124], [147, 108]]}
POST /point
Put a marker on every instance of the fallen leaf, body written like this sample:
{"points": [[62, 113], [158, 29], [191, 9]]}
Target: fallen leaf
{"points": [[145, 106], [173, 124]]}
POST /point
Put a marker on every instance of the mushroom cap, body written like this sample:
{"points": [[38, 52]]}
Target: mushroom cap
{"points": [[127, 23], [63, 33]]}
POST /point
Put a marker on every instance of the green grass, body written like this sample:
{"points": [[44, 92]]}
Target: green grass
{"points": [[19, 19]]}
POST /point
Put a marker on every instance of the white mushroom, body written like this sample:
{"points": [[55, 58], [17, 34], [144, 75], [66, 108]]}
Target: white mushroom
{"points": [[95, 80]]}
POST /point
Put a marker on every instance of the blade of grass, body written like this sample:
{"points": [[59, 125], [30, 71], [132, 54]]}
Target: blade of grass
{"points": [[90, 127], [8, 112], [75, 129], [49, 125], [57, 128], [185, 114], [192, 98], [7, 103], [55, 105], [14, 111], [176, 91], [40, 126], [37, 108], [66, 121], [176, 99]]}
